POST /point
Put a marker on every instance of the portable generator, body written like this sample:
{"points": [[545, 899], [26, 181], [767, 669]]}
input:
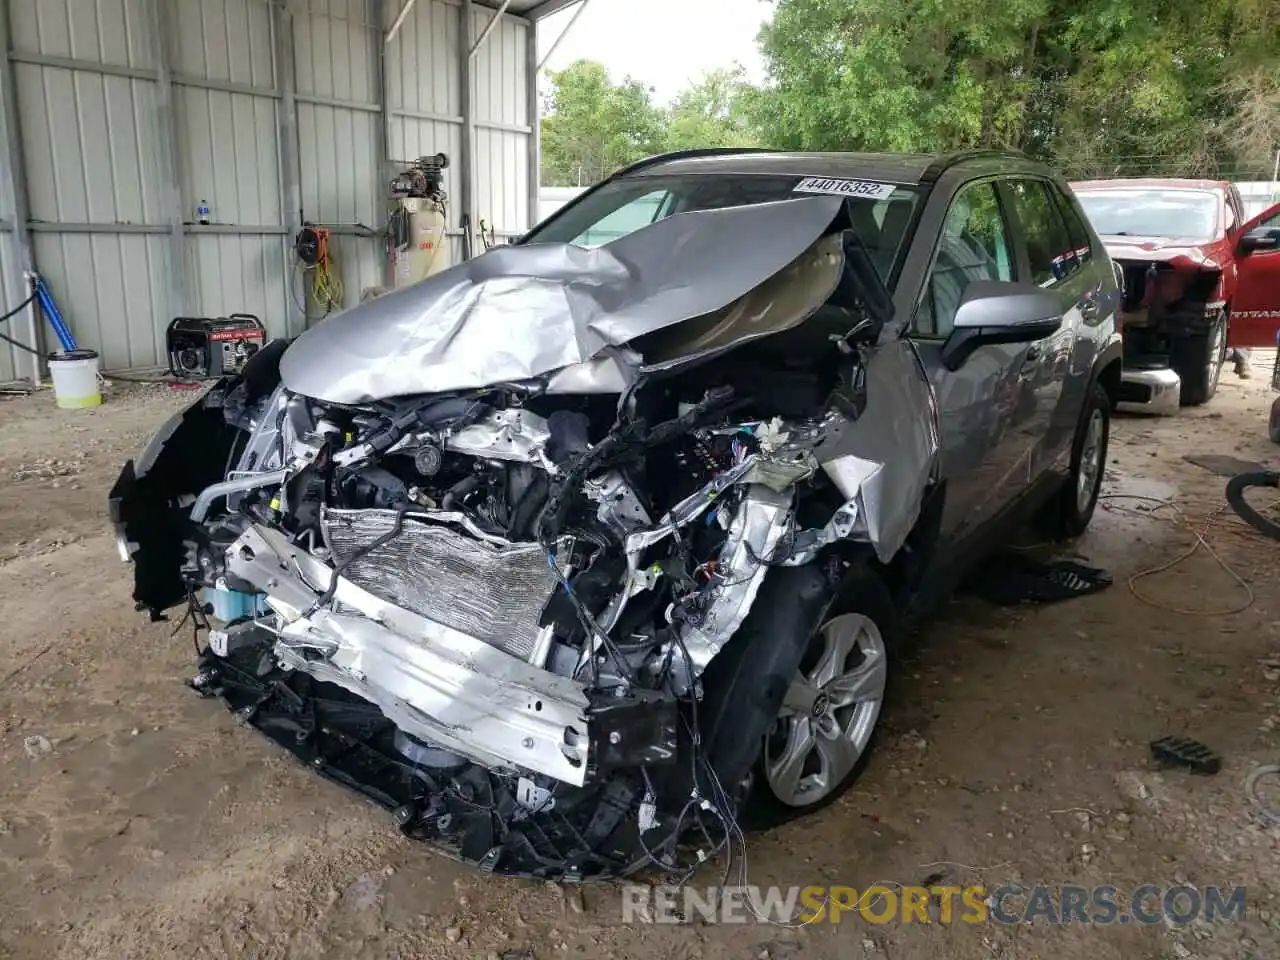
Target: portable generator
{"points": [[202, 348]]}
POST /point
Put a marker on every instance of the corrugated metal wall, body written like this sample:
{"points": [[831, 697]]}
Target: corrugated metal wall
{"points": [[133, 112]]}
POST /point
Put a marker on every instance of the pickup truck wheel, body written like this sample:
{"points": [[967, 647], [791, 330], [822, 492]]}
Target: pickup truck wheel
{"points": [[824, 732], [1198, 358], [1067, 515]]}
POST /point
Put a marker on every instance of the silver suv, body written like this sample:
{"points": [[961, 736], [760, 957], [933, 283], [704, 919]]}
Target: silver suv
{"points": [[605, 540]]}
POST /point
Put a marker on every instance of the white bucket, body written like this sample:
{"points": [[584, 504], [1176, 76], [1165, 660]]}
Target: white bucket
{"points": [[75, 379]]}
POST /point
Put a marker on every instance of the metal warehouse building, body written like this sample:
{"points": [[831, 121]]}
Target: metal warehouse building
{"points": [[121, 117]]}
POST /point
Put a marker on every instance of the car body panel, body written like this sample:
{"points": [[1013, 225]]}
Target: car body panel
{"points": [[1249, 283], [1255, 310], [1007, 417], [529, 585]]}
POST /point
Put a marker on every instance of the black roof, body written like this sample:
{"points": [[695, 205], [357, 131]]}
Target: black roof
{"points": [[901, 168]]}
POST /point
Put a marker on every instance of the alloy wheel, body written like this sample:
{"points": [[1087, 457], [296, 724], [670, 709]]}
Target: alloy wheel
{"points": [[829, 712], [1089, 474]]}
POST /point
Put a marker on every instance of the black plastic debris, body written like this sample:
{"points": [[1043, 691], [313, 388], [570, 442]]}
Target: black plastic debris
{"points": [[1186, 753], [1008, 579]]}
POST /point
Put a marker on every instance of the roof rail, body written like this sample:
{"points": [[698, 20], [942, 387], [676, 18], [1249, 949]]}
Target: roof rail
{"points": [[945, 162], [685, 155]]}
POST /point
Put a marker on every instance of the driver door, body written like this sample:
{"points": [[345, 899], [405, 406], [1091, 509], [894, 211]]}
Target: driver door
{"points": [[1255, 304], [981, 405]]}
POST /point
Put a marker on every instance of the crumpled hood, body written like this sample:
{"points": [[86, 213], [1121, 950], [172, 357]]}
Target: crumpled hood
{"points": [[519, 312], [1178, 253]]}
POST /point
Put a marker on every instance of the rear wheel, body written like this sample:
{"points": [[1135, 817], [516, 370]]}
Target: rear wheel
{"points": [[1068, 515], [1198, 358]]}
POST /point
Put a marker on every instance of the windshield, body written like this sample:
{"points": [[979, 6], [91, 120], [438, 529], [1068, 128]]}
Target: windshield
{"points": [[1176, 214], [623, 206]]}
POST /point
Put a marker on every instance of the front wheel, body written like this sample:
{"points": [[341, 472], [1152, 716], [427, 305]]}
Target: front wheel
{"points": [[1198, 359], [822, 737]]}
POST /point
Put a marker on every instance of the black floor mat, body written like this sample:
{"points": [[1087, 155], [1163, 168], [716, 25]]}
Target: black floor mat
{"points": [[1008, 579], [1222, 466]]}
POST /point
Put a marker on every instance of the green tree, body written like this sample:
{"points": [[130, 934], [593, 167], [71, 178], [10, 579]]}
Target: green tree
{"points": [[1098, 86], [591, 126], [714, 112]]}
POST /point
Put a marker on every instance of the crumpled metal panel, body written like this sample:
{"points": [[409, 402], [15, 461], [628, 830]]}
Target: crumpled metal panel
{"points": [[438, 684], [757, 530], [491, 592], [782, 302], [883, 461], [512, 434], [519, 312]]}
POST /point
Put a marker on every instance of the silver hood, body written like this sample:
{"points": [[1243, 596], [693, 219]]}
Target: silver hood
{"points": [[520, 312]]}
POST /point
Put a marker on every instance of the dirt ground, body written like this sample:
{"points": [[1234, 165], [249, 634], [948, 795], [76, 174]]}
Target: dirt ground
{"points": [[146, 823]]}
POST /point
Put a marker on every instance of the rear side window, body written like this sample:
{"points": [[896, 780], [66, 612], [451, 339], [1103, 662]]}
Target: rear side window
{"points": [[1076, 231], [1049, 248]]}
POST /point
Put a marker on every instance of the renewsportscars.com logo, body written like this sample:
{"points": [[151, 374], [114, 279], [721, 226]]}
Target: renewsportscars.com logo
{"points": [[879, 904]]}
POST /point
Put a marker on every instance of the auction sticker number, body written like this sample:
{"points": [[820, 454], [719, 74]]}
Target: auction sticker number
{"points": [[863, 189]]}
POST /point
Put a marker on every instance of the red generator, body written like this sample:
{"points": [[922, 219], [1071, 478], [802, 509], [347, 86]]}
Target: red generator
{"points": [[203, 348]]}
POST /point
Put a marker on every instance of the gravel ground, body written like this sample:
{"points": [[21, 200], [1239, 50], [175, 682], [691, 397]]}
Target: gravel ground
{"points": [[137, 820]]}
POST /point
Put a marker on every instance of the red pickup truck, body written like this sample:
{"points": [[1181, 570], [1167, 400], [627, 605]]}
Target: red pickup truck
{"points": [[1198, 278]]}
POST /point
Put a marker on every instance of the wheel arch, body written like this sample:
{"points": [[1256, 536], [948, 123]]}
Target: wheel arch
{"points": [[1108, 368]]}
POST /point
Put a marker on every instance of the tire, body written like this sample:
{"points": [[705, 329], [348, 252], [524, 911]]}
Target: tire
{"points": [[1198, 359], [1236, 487], [1067, 516], [862, 628]]}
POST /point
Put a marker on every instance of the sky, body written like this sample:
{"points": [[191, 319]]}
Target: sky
{"points": [[666, 44]]}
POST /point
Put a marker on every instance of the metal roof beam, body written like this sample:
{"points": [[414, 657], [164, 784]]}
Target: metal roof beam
{"points": [[582, 5], [488, 28], [548, 7]]}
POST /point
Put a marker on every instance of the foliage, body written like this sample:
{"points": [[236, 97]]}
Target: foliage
{"points": [[591, 126], [714, 112], [1097, 87]]}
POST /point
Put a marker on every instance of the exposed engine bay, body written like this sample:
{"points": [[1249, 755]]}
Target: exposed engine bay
{"points": [[499, 610], [1165, 300]]}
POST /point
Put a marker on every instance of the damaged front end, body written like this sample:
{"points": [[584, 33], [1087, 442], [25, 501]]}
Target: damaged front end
{"points": [[492, 605]]}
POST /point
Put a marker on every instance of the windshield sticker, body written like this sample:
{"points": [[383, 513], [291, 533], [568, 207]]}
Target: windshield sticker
{"points": [[863, 189]]}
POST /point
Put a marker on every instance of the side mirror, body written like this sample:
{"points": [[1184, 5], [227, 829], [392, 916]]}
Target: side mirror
{"points": [[1260, 238], [997, 311]]}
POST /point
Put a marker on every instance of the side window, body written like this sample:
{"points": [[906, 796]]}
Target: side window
{"points": [[1271, 221], [1076, 231], [974, 245], [1049, 249], [1232, 219], [628, 218]]}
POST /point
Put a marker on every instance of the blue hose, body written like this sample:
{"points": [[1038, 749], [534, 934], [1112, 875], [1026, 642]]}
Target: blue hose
{"points": [[65, 337]]}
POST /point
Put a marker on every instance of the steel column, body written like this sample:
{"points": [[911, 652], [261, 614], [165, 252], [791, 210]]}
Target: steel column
{"points": [[167, 117], [290, 162], [466, 174], [12, 132], [533, 107]]}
